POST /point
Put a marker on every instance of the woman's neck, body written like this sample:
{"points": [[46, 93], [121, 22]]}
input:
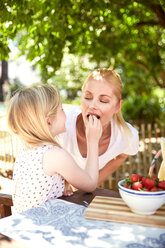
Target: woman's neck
{"points": [[80, 128]]}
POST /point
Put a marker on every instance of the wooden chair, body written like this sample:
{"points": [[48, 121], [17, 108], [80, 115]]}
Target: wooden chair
{"points": [[5, 205]]}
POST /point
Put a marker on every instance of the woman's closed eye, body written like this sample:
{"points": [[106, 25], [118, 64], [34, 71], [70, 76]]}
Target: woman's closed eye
{"points": [[104, 101], [88, 98], [101, 100]]}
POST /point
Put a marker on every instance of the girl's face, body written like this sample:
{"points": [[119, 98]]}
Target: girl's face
{"points": [[98, 99], [57, 124]]}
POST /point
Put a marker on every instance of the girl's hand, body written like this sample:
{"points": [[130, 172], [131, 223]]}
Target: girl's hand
{"points": [[68, 191], [93, 129]]}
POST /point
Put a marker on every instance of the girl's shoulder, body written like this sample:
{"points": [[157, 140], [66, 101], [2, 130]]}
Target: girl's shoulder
{"points": [[54, 158], [54, 152]]}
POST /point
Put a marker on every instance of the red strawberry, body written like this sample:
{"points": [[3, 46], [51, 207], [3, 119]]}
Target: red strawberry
{"points": [[149, 183], [161, 184], [143, 180], [155, 178], [137, 186], [154, 189], [127, 185], [135, 178], [144, 189]]}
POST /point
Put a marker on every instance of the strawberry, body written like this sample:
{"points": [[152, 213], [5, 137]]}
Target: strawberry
{"points": [[143, 180], [161, 184], [144, 189], [127, 185], [128, 181], [149, 183], [135, 178], [155, 178], [144, 183], [137, 186], [154, 189]]}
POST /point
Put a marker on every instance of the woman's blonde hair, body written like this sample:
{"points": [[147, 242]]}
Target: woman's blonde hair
{"points": [[111, 77], [27, 112]]}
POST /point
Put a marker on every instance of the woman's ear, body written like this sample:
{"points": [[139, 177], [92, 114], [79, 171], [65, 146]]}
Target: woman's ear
{"points": [[119, 106], [48, 120]]}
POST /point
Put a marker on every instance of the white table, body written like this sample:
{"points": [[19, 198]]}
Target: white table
{"points": [[58, 223]]}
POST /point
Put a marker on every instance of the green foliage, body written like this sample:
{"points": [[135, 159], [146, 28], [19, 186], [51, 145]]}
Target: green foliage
{"points": [[143, 108], [15, 85], [128, 36], [71, 75], [125, 32]]}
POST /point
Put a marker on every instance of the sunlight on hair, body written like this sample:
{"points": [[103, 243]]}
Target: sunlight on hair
{"points": [[97, 76]]}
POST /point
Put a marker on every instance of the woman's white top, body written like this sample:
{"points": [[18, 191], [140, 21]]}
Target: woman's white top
{"points": [[117, 145], [32, 186]]}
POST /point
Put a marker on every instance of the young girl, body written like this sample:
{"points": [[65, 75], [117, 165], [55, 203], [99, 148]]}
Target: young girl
{"points": [[35, 114]]}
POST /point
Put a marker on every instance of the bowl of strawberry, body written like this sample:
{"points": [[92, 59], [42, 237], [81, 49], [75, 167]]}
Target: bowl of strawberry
{"points": [[143, 195]]}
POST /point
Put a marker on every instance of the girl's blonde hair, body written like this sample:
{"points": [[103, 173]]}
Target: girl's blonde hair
{"points": [[27, 112], [111, 77]]}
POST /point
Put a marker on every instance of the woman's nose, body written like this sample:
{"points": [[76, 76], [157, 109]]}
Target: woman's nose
{"points": [[93, 104]]}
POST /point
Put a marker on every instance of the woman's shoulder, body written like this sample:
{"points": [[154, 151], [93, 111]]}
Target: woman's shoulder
{"points": [[72, 111], [124, 129], [128, 138], [132, 128], [132, 140], [71, 117]]}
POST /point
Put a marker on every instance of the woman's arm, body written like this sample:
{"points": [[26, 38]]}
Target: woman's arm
{"points": [[110, 167]]}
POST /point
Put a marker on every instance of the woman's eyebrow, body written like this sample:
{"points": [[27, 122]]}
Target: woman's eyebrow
{"points": [[106, 96], [87, 93], [103, 95]]}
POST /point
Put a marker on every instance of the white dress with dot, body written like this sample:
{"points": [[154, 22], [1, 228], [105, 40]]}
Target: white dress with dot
{"points": [[32, 186]]}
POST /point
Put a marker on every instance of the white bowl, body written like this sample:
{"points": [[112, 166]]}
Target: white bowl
{"points": [[141, 202]]}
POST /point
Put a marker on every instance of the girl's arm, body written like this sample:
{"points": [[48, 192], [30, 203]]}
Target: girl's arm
{"points": [[60, 161], [110, 167]]}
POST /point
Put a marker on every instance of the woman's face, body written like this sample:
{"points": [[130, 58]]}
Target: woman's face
{"points": [[98, 99]]}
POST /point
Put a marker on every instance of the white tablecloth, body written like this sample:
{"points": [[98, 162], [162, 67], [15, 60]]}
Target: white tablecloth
{"points": [[58, 223]]}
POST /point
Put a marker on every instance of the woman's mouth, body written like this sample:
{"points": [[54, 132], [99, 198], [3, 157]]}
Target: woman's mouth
{"points": [[97, 116]]}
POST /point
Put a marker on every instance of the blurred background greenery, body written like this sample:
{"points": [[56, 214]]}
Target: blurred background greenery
{"points": [[66, 39]]}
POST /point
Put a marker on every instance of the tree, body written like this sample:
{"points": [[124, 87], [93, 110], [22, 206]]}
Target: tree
{"points": [[128, 35], [3, 78]]}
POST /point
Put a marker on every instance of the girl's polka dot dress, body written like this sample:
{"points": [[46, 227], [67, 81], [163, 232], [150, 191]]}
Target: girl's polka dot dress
{"points": [[32, 186]]}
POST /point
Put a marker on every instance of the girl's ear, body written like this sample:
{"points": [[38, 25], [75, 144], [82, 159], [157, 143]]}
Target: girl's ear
{"points": [[119, 106]]}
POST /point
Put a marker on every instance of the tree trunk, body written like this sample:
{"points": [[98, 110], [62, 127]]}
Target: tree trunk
{"points": [[4, 76]]}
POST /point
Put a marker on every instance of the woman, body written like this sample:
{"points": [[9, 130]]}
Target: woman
{"points": [[101, 97]]}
